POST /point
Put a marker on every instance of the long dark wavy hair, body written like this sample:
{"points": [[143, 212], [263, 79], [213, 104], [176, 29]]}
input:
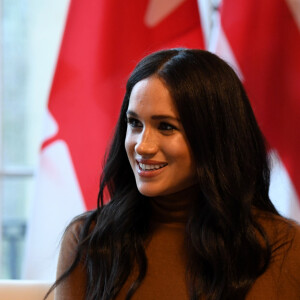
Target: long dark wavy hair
{"points": [[227, 249]]}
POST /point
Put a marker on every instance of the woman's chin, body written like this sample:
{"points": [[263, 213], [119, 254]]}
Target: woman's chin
{"points": [[148, 193]]}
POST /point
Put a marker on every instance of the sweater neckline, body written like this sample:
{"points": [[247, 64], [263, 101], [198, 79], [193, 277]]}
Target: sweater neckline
{"points": [[173, 208]]}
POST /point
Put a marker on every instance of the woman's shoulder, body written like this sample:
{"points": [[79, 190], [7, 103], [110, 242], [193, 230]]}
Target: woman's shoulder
{"points": [[274, 223], [284, 238], [73, 287], [77, 228], [281, 280]]}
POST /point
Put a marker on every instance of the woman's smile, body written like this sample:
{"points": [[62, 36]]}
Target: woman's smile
{"points": [[149, 168]]}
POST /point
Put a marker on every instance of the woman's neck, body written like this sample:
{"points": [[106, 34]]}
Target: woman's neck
{"points": [[174, 207]]}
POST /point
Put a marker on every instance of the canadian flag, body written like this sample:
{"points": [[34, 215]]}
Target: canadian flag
{"points": [[102, 42], [261, 40]]}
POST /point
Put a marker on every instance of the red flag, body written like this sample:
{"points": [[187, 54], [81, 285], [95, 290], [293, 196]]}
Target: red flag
{"points": [[265, 43], [103, 41]]}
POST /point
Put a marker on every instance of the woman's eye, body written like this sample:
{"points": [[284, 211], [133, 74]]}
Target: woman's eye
{"points": [[166, 126], [134, 122]]}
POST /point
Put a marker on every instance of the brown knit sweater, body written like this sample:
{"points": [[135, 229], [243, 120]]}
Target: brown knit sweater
{"points": [[165, 278]]}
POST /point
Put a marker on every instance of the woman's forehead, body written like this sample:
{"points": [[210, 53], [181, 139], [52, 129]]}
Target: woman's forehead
{"points": [[151, 95]]}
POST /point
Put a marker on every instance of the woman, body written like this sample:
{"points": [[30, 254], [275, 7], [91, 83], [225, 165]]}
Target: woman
{"points": [[188, 177]]}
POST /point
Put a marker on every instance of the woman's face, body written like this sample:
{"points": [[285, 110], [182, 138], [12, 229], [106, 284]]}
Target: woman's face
{"points": [[156, 145]]}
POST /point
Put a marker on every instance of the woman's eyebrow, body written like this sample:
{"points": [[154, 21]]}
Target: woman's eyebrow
{"points": [[131, 113], [154, 117], [160, 117]]}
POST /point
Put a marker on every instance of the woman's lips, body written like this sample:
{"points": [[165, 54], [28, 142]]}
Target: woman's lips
{"points": [[150, 168]]}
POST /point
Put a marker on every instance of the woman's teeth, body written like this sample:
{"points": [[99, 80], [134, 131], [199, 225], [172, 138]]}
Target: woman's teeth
{"points": [[146, 167]]}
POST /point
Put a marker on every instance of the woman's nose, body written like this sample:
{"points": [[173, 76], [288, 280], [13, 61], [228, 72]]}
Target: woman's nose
{"points": [[146, 144]]}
